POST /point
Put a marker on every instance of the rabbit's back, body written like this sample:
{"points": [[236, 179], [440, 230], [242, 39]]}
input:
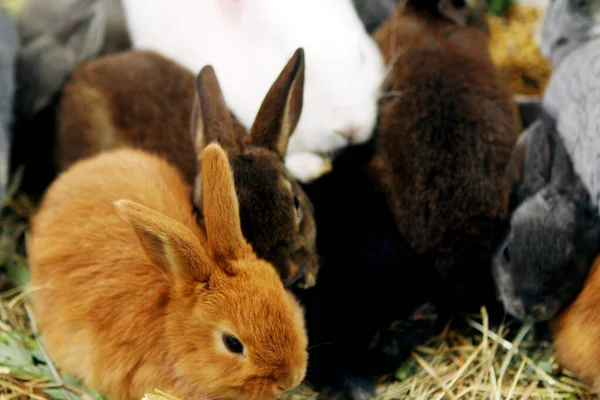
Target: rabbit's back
{"points": [[572, 98], [135, 99], [91, 277], [446, 137], [446, 132]]}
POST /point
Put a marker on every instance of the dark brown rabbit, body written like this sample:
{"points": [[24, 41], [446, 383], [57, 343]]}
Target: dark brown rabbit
{"points": [[143, 100], [447, 127]]}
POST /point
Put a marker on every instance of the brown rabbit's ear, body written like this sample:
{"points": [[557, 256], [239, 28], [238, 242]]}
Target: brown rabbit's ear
{"points": [[281, 108], [221, 208], [168, 244], [456, 11], [210, 119]]}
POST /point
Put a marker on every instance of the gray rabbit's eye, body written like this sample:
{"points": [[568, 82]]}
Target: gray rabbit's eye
{"points": [[233, 344], [459, 3], [506, 255]]}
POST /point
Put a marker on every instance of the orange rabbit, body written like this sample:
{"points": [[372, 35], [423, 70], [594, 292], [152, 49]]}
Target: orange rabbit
{"points": [[130, 295], [576, 331]]}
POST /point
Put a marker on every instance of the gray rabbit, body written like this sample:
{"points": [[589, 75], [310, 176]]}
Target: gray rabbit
{"points": [[554, 232], [373, 12], [9, 45], [571, 40], [59, 35]]}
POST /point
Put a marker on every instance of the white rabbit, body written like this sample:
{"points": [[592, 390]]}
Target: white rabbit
{"points": [[249, 43]]}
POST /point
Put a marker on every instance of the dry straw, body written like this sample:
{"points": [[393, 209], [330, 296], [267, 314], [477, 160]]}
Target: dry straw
{"points": [[516, 53]]}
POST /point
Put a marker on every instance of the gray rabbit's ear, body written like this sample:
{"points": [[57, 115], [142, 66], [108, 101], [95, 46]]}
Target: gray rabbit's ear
{"points": [[85, 31], [530, 161], [562, 174]]}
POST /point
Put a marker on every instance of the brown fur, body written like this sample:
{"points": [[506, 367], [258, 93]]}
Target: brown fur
{"points": [[576, 332], [143, 100], [129, 314], [446, 132]]}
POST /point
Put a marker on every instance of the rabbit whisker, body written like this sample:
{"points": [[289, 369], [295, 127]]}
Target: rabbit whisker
{"points": [[319, 344], [393, 93]]}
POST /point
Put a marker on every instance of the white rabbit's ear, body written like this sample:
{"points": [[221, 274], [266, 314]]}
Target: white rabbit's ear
{"points": [[232, 8]]}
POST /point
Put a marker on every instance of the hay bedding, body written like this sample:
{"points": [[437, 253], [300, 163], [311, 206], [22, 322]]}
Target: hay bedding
{"points": [[473, 363]]}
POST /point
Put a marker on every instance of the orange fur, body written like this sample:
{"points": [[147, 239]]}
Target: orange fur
{"points": [[130, 297], [141, 99], [576, 331]]}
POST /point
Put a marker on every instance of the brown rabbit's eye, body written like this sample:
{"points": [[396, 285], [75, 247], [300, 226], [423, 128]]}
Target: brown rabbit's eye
{"points": [[233, 344], [299, 214]]}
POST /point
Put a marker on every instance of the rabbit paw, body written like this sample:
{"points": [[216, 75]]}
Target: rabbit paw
{"points": [[307, 167]]}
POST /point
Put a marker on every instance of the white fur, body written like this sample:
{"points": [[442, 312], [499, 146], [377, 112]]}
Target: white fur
{"points": [[249, 41]]}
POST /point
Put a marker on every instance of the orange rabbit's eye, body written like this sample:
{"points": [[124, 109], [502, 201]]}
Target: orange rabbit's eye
{"points": [[233, 344]]}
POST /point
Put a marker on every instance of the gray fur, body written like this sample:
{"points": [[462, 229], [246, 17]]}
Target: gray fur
{"points": [[567, 24], [9, 45], [573, 92], [57, 37], [373, 12], [554, 232]]}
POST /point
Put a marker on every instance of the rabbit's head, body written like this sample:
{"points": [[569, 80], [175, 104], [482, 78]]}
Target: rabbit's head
{"points": [[554, 232], [276, 213], [232, 330], [567, 24]]}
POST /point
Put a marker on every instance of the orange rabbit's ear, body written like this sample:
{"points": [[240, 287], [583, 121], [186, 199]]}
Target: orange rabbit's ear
{"points": [[168, 243], [280, 110], [211, 119], [221, 208]]}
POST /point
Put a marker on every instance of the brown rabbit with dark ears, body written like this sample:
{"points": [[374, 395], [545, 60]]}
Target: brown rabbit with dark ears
{"points": [[143, 100], [445, 137], [131, 295]]}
